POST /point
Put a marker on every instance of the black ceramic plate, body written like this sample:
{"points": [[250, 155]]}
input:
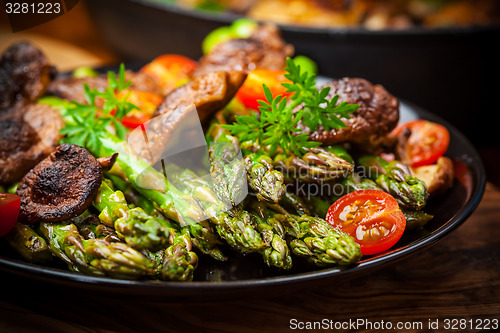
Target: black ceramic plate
{"points": [[247, 276]]}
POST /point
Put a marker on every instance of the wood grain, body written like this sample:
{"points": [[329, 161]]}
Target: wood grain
{"points": [[459, 277]]}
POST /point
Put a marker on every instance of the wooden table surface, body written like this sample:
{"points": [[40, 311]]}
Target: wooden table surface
{"points": [[457, 278]]}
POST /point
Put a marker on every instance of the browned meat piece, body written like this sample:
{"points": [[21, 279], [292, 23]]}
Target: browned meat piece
{"points": [[209, 93], [377, 115], [61, 186], [71, 88], [28, 133], [24, 74], [263, 49]]}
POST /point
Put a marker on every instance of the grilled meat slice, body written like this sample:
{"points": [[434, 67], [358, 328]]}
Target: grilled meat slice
{"points": [[25, 74], [28, 133], [208, 93], [263, 49], [61, 186], [70, 88], [377, 115]]}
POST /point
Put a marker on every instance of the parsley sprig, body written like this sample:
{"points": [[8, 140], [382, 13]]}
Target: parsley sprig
{"points": [[317, 109], [90, 121], [276, 127]]}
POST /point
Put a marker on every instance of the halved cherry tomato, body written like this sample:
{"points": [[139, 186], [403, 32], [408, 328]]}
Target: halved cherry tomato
{"points": [[146, 102], [10, 204], [251, 91], [427, 142], [170, 70], [372, 217]]}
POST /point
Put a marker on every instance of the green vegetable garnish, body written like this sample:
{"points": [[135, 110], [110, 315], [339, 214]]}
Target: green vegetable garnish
{"points": [[215, 37], [240, 28], [306, 63], [277, 124], [244, 27], [82, 72], [88, 125]]}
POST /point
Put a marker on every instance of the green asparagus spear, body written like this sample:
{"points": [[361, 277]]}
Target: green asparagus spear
{"points": [[295, 203], [261, 176], [149, 182], [91, 229], [316, 165], [263, 179], [179, 262], [316, 240], [241, 230], [227, 169], [317, 206], [133, 225], [29, 244], [354, 182], [340, 151], [416, 218], [95, 256], [395, 178], [277, 253], [154, 186], [176, 262], [235, 226], [238, 228]]}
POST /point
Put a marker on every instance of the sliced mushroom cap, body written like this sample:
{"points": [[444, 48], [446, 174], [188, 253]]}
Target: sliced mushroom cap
{"points": [[61, 186]]}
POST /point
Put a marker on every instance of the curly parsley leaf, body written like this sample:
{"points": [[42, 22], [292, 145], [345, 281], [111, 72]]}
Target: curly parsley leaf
{"points": [[276, 127], [90, 121]]}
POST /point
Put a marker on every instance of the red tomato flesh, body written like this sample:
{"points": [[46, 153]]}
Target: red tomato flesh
{"points": [[170, 70], [371, 217], [252, 91], [147, 102], [427, 142], [9, 211]]}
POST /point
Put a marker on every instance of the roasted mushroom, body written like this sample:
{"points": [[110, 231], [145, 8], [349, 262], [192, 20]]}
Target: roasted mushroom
{"points": [[61, 186], [377, 115], [438, 177]]}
